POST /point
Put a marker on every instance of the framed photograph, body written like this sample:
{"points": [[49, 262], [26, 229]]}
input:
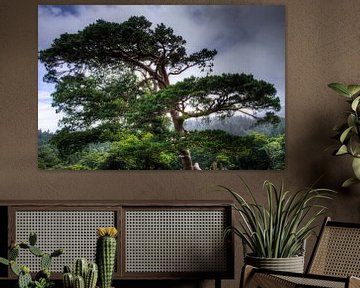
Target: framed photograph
{"points": [[161, 87]]}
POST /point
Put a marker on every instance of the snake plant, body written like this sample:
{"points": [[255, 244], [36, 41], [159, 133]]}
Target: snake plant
{"points": [[279, 228], [349, 131]]}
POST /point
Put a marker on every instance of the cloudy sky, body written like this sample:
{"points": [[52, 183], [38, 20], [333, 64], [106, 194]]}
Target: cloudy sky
{"points": [[248, 38]]}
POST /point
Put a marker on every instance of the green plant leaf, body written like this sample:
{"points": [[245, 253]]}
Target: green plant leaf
{"points": [[342, 150], [356, 167], [355, 103], [349, 182], [340, 88], [4, 261], [353, 89], [345, 134], [351, 120]]}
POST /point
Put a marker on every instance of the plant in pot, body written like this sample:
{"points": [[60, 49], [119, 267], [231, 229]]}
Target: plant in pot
{"points": [[276, 233], [348, 132]]}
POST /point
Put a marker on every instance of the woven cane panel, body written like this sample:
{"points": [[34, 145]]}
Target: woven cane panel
{"points": [[175, 241], [338, 253], [74, 231], [308, 282]]}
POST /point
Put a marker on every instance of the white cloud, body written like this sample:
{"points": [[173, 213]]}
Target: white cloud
{"points": [[47, 117]]}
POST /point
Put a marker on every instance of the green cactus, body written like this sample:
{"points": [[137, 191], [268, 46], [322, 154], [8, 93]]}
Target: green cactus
{"points": [[80, 267], [87, 272], [68, 280], [57, 252], [24, 245], [79, 282], [24, 280], [105, 258], [32, 238], [36, 251], [13, 253], [42, 278], [91, 276], [45, 261]]}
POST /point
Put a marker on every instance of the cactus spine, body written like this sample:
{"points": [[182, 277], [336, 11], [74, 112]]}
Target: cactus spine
{"points": [[84, 276], [106, 254]]}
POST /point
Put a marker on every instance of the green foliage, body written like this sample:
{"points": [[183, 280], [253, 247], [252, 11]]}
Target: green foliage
{"points": [[133, 43], [349, 131], [221, 95], [279, 229]]}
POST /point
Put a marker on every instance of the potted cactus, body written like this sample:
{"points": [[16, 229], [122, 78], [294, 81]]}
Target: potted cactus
{"points": [[42, 278], [84, 275], [106, 254]]}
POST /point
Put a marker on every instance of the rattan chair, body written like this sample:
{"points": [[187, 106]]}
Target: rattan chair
{"points": [[334, 263]]}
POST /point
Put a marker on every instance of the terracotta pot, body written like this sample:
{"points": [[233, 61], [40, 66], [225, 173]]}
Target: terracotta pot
{"points": [[291, 264]]}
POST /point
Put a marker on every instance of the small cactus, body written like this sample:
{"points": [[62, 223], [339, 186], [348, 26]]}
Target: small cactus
{"points": [[106, 254], [91, 276], [83, 274], [79, 282], [68, 280], [24, 280], [23, 273], [80, 267]]}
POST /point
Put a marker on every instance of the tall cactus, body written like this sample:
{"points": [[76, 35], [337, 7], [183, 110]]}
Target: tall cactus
{"points": [[106, 254]]}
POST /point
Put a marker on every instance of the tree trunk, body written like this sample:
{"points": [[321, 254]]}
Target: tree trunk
{"points": [[178, 122], [185, 155]]}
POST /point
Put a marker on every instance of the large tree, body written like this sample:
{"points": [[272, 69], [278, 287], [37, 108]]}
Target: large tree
{"points": [[119, 74]]}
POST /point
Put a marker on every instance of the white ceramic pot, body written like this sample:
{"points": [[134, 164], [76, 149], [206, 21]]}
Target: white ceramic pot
{"points": [[291, 264]]}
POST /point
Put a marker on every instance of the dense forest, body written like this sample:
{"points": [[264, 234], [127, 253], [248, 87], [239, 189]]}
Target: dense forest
{"points": [[258, 147], [121, 111]]}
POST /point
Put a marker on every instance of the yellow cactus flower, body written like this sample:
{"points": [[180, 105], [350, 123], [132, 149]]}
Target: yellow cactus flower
{"points": [[106, 231]]}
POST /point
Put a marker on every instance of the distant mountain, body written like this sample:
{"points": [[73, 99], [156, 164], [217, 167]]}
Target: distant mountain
{"points": [[236, 125]]}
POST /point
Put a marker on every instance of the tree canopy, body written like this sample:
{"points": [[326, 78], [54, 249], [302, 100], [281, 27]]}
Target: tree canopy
{"points": [[114, 79]]}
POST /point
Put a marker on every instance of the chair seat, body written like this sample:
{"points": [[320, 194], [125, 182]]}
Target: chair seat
{"points": [[267, 279], [315, 282]]}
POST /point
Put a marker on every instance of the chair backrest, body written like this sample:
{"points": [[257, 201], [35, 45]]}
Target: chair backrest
{"points": [[337, 251]]}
